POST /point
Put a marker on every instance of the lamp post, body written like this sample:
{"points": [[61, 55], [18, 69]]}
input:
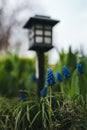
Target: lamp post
{"points": [[40, 39]]}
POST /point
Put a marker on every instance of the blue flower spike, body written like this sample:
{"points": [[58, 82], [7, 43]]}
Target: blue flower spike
{"points": [[59, 76], [34, 79], [22, 96], [44, 92], [66, 72], [50, 77], [50, 81], [80, 69]]}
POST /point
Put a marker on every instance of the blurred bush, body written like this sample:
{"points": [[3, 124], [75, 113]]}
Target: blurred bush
{"points": [[15, 74]]}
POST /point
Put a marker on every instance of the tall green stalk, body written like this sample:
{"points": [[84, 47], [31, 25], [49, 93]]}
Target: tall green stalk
{"points": [[62, 91], [50, 97]]}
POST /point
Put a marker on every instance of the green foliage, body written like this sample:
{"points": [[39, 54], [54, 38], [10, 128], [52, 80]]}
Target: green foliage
{"points": [[69, 107], [74, 88], [71, 60], [71, 116], [36, 115], [6, 109], [77, 84], [16, 115], [15, 74]]}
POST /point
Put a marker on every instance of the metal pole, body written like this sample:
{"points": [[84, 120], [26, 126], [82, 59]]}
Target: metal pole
{"points": [[40, 56]]}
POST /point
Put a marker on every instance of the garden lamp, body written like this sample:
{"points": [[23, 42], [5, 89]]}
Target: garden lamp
{"points": [[40, 40]]}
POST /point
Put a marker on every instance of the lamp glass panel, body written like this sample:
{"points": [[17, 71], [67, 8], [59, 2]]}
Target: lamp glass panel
{"points": [[38, 39], [47, 40], [47, 33], [39, 32], [39, 26], [48, 27]]}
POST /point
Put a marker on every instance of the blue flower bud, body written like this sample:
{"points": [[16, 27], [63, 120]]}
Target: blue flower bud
{"points": [[44, 92], [59, 77], [66, 72], [22, 96], [50, 77], [80, 69], [34, 79]]}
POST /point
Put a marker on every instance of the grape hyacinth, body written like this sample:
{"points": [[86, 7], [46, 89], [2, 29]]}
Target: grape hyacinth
{"points": [[59, 79], [66, 72], [80, 69], [50, 81], [44, 92], [59, 76], [22, 96], [34, 79], [50, 77]]}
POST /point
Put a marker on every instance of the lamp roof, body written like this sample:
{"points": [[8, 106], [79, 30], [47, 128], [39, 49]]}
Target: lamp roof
{"points": [[40, 19]]}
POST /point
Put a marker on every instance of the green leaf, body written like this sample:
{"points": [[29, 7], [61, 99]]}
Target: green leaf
{"points": [[35, 117], [74, 90]]}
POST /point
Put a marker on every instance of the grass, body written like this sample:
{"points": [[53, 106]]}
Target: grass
{"points": [[34, 114]]}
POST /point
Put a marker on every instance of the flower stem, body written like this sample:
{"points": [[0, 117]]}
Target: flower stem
{"points": [[50, 97], [50, 109], [62, 91]]}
